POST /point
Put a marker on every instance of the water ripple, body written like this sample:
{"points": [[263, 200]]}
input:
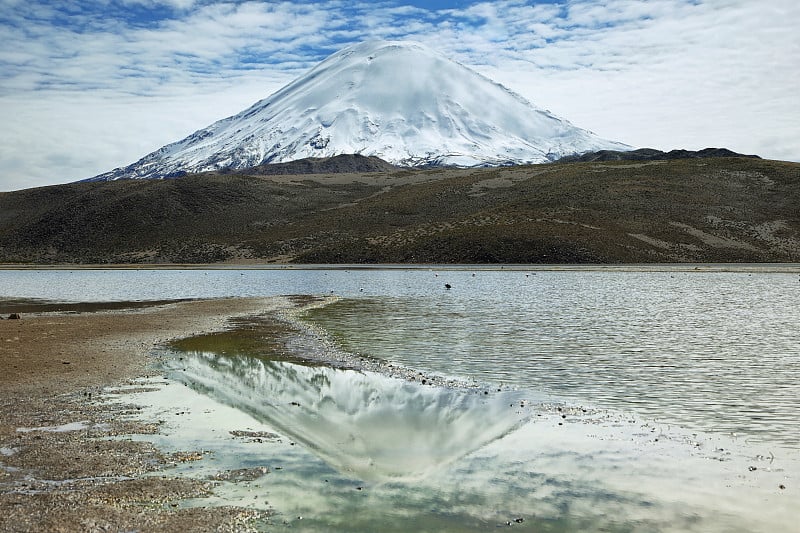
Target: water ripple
{"points": [[716, 352]]}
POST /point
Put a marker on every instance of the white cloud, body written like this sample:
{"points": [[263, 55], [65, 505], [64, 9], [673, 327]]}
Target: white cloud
{"points": [[666, 74], [85, 94]]}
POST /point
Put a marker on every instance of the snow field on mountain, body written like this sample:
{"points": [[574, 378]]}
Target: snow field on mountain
{"points": [[399, 101]]}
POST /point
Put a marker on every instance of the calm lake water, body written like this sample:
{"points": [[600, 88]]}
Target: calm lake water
{"points": [[629, 400]]}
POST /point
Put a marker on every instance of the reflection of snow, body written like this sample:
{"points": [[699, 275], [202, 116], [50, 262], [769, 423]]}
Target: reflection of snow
{"points": [[562, 470], [363, 423]]}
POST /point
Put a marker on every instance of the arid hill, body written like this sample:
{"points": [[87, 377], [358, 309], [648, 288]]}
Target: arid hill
{"points": [[684, 210]]}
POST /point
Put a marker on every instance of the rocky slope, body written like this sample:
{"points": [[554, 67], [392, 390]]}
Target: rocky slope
{"points": [[650, 154]]}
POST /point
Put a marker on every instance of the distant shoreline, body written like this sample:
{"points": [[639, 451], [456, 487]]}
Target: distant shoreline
{"points": [[626, 267]]}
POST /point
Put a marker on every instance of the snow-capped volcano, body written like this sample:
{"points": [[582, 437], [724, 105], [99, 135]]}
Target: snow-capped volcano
{"points": [[400, 101]]}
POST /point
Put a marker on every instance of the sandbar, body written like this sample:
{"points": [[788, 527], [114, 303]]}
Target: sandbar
{"points": [[65, 464]]}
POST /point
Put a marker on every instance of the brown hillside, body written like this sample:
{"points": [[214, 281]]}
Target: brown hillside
{"points": [[686, 210]]}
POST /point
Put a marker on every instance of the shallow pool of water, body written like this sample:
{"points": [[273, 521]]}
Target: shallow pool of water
{"points": [[351, 450]]}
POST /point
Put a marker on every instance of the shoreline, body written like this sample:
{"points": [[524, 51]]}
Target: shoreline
{"points": [[789, 268], [655, 453], [67, 462]]}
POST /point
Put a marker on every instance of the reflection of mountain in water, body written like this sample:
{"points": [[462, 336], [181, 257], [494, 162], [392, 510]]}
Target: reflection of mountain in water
{"points": [[370, 425]]}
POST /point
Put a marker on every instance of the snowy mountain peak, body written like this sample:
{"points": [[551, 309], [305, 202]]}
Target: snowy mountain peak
{"points": [[397, 100]]}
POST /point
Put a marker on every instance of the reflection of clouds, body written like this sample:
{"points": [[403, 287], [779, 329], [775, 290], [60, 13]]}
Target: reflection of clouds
{"points": [[376, 427]]}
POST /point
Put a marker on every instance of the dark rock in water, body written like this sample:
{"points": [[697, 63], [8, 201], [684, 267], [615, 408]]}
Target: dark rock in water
{"points": [[242, 474], [255, 434], [651, 154], [14, 316]]}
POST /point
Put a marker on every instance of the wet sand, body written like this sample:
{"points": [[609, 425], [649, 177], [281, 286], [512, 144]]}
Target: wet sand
{"points": [[65, 464]]}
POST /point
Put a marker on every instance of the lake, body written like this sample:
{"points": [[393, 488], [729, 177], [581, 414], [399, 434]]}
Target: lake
{"points": [[621, 399]]}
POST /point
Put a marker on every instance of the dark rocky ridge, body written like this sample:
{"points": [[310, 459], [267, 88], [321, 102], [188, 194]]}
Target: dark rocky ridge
{"points": [[651, 154], [310, 165], [713, 209], [344, 163], [357, 163]]}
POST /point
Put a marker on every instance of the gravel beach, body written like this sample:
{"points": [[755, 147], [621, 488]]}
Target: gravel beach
{"points": [[63, 463]]}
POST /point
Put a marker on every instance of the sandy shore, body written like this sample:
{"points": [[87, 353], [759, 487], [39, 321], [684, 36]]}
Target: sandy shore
{"points": [[63, 466]]}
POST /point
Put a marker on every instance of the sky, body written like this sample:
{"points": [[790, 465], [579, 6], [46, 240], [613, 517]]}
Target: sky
{"points": [[90, 85]]}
